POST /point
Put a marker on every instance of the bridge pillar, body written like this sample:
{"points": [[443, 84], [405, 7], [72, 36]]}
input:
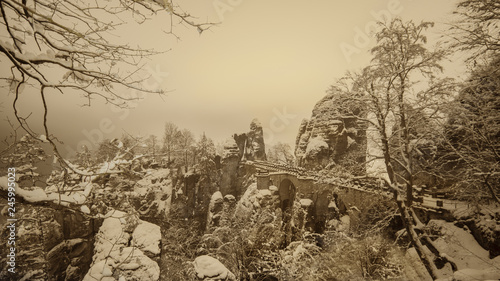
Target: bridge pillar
{"points": [[262, 180]]}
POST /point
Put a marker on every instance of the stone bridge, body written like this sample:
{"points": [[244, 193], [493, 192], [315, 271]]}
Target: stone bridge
{"points": [[323, 201], [289, 180], [292, 181], [356, 195]]}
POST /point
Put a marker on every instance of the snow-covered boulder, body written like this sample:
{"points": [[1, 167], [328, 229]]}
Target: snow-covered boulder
{"points": [[305, 203], [215, 207], [209, 268], [315, 147], [120, 246], [147, 237], [247, 203], [152, 195]]}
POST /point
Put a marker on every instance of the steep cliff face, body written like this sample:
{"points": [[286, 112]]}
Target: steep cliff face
{"points": [[246, 146], [330, 136], [256, 149], [251, 144], [229, 164], [51, 244]]}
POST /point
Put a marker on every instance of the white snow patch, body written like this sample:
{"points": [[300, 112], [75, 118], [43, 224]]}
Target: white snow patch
{"points": [[264, 193], [475, 274], [43, 138], [147, 237], [333, 205], [462, 246], [216, 196], [35, 195], [315, 145], [306, 202], [206, 266], [85, 209]]}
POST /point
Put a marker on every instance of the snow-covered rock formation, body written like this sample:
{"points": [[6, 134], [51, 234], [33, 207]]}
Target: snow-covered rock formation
{"points": [[246, 146], [209, 268], [123, 249], [328, 125]]}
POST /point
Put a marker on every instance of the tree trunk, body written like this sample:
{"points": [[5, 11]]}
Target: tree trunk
{"points": [[491, 190], [428, 242], [424, 257]]}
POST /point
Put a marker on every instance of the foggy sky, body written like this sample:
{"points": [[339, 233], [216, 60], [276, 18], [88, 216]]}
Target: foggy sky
{"points": [[270, 60]]}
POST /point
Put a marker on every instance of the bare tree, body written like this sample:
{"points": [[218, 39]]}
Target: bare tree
{"points": [[472, 132], [170, 140], [399, 91], [106, 151], [71, 47], [472, 136], [477, 28], [281, 153], [152, 145], [186, 145]]}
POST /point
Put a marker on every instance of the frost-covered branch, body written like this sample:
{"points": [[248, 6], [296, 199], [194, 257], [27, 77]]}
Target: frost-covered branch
{"points": [[74, 47]]}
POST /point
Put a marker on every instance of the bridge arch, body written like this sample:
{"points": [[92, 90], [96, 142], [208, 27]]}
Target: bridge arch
{"points": [[286, 192]]}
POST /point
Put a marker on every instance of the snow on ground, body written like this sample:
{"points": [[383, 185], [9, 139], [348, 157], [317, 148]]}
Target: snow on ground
{"points": [[413, 268], [147, 237], [114, 255], [208, 267], [461, 245], [475, 274], [472, 260]]}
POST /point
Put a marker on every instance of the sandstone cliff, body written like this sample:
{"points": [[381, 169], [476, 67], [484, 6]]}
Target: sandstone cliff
{"points": [[246, 146], [330, 136], [251, 144]]}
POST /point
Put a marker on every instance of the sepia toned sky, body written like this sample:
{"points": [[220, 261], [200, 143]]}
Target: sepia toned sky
{"points": [[271, 60]]}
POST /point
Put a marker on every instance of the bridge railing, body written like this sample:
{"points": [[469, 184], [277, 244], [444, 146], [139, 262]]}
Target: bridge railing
{"points": [[429, 198]]}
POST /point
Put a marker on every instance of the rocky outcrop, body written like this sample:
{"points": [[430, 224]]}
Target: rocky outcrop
{"points": [[152, 195], [343, 134], [484, 225], [251, 144], [246, 146], [125, 248], [229, 166], [209, 268], [51, 244]]}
